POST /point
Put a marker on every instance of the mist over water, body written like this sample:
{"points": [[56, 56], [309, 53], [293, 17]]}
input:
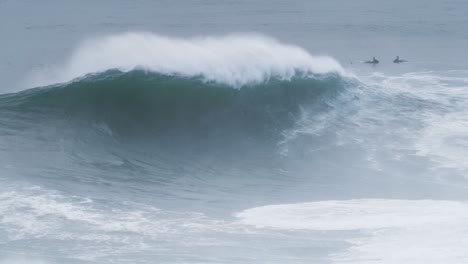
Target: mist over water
{"points": [[235, 60], [129, 136]]}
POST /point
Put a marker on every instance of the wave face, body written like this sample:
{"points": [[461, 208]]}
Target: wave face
{"points": [[142, 105]]}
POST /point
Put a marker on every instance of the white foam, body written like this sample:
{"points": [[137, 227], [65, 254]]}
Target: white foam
{"points": [[443, 138], [45, 215], [353, 214], [395, 231], [49, 214], [234, 59]]}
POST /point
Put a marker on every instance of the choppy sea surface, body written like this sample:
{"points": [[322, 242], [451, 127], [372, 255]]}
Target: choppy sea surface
{"points": [[233, 132]]}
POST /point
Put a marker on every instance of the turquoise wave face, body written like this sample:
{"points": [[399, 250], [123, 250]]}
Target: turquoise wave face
{"points": [[152, 106]]}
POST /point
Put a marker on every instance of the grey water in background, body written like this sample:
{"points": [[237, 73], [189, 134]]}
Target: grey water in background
{"points": [[431, 34], [86, 182]]}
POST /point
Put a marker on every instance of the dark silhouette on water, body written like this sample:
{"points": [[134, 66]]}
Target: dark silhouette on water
{"points": [[397, 60], [373, 61]]}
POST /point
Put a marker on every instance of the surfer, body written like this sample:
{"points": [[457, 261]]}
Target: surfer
{"points": [[397, 60], [373, 61]]}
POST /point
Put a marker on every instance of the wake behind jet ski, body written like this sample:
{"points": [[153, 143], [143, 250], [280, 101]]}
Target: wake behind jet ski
{"points": [[373, 61], [397, 60]]}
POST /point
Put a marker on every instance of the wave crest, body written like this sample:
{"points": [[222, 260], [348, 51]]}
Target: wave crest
{"points": [[235, 60]]}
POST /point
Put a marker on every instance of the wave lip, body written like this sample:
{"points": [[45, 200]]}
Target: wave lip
{"points": [[235, 60]]}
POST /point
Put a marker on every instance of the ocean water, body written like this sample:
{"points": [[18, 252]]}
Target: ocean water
{"points": [[233, 132]]}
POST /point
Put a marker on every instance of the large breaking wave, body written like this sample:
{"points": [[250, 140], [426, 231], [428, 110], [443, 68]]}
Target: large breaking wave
{"points": [[226, 98], [235, 89]]}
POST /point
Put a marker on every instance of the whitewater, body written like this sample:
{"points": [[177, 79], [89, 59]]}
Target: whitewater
{"points": [[235, 60], [137, 146]]}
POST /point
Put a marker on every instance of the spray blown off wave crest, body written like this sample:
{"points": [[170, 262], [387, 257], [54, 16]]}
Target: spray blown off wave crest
{"points": [[235, 60]]}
